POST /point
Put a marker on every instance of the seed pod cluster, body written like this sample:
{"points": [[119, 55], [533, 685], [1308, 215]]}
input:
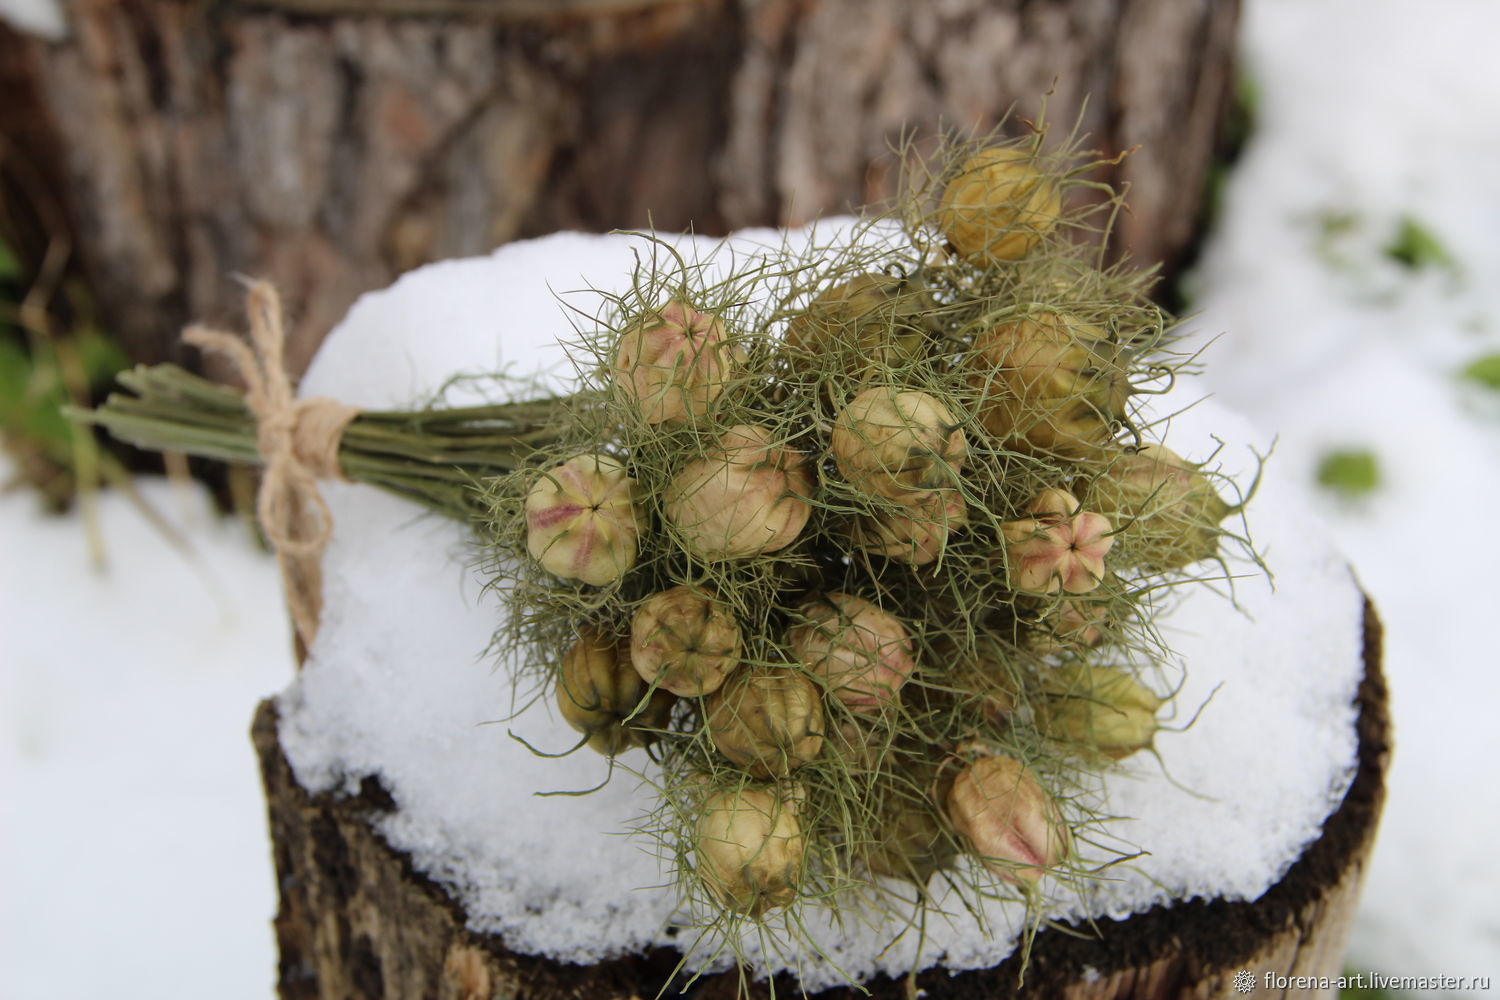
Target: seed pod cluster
{"points": [[858, 544]]}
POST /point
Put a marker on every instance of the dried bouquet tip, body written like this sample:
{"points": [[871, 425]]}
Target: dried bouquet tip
{"points": [[1050, 383], [768, 721], [898, 443], [1014, 826], [759, 466], [582, 520], [998, 206], [862, 653], [1168, 510], [750, 849], [746, 496], [1059, 547], [674, 362], [599, 694], [1093, 709], [684, 642]]}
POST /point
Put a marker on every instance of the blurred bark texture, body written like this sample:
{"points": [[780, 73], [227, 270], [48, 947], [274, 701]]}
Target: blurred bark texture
{"points": [[358, 921], [331, 144]]}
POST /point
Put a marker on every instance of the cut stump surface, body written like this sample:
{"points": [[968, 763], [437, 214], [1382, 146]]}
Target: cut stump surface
{"points": [[356, 920]]}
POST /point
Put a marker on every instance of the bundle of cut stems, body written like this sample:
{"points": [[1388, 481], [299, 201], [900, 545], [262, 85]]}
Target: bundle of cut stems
{"points": [[434, 457]]}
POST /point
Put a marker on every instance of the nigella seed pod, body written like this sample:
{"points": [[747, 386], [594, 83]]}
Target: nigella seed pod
{"points": [[598, 693], [1074, 624], [1051, 385], [582, 522], [916, 532], [1014, 826], [767, 721], [674, 362], [1168, 511], [750, 849], [1059, 547], [745, 496], [869, 323], [998, 206], [684, 642], [979, 678], [1098, 710], [898, 443], [862, 654], [910, 842]]}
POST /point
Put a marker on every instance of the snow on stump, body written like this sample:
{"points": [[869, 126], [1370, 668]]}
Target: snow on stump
{"points": [[357, 919], [416, 857]]}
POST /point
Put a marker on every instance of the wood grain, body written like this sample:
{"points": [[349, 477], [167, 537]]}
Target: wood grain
{"points": [[329, 150]]}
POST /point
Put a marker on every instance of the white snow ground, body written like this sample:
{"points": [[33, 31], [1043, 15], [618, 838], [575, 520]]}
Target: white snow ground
{"points": [[134, 860], [1370, 110]]}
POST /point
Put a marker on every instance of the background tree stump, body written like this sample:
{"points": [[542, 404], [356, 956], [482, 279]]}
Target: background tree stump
{"points": [[357, 921], [330, 145]]}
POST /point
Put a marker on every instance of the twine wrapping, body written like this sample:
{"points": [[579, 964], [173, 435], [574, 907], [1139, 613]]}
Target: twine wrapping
{"points": [[298, 440]]}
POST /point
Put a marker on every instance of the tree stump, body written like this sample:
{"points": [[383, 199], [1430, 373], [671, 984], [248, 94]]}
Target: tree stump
{"points": [[329, 145], [356, 920]]}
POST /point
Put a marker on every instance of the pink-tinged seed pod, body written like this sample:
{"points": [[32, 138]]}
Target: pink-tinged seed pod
{"points": [[582, 522], [918, 532], [1073, 625], [674, 362], [1013, 825], [898, 443], [750, 849], [998, 206], [768, 721], [684, 642], [1059, 547], [746, 496], [1168, 510], [1098, 710], [863, 654], [598, 691]]}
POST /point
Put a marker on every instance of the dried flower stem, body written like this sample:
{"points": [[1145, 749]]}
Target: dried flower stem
{"points": [[433, 457]]}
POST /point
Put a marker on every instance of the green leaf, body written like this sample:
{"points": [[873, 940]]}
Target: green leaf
{"points": [[1485, 370], [15, 375], [32, 398], [1350, 473], [10, 268], [1415, 247], [101, 356]]}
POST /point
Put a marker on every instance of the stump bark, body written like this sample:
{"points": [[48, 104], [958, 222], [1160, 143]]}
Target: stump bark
{"points": [[329, 145], [356, 920]]}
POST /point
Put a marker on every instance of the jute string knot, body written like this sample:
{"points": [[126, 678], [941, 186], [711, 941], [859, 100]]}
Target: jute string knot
{"points": [[298, 440]]}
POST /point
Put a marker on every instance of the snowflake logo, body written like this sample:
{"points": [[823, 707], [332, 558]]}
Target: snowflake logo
{"points": [[1244, 981]]}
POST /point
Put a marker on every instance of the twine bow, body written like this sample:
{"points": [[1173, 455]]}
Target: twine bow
{"points": [[298, 441]]}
